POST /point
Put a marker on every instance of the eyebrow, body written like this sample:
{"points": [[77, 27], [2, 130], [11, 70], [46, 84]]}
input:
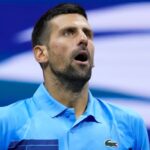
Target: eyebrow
{"points": [[69, 27], [85, 29]]}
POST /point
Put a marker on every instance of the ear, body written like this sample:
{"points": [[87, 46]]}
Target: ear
{"points": [[41, 53]]}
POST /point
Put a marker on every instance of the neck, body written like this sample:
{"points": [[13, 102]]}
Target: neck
{"points": [[67, 93]]}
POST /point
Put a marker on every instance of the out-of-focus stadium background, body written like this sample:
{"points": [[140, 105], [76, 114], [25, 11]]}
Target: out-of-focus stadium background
{"points": [[122, 57]]}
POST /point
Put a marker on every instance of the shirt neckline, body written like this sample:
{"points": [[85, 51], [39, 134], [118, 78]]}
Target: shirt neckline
{"points": [[44, 101]]}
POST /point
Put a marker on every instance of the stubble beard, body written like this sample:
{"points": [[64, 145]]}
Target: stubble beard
{"points": [[72, 78]]}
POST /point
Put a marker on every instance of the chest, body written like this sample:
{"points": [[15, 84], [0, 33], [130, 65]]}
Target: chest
{"points": [[62, 133]]}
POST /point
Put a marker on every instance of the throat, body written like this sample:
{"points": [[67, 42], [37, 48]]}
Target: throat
{"points": [[74, 86], [70, 93]]}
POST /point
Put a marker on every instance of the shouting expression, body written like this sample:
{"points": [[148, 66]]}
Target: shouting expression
{"points": [[70, 47]]}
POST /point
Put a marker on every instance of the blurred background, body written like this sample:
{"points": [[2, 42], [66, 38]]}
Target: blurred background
{"points": [[122, 57]]}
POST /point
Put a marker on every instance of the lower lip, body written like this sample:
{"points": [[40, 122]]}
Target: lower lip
{"points": [[82, 62]]}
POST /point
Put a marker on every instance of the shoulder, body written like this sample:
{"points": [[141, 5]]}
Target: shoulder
{"points": [[121, 114], [14, 113], [12, 118], [12, 108]]}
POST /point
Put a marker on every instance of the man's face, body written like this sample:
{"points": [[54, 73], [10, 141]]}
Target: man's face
{"points": [[70, 47]]}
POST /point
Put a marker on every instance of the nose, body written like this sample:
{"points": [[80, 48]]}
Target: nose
{"points": [[83, 39]]}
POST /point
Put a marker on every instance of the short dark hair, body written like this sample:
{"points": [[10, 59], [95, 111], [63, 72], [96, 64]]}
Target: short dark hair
{"points": [[39, 30]]}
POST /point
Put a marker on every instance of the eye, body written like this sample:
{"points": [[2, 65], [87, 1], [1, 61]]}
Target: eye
{"points": [[88, 33], [69, 32]]}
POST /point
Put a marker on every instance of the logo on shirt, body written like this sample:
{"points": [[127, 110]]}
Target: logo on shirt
{"points": [[111, 143]]}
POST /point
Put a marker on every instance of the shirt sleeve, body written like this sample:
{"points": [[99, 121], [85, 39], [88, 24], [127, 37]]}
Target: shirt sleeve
{"points": [[4, 132], [141, 135], [1, 135]]}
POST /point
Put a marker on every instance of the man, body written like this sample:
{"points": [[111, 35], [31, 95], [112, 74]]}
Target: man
{"points": [[63, 114]]}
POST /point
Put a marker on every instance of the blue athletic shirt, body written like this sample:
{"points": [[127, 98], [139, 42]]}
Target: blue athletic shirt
{"points": [[42, 123]]}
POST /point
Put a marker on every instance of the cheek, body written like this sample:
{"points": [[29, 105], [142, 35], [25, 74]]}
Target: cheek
{"points": [[58, 47], [55, 50], [58, 53]]}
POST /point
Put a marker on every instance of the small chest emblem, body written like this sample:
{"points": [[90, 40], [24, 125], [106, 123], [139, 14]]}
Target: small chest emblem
{"points": [[111, 143]]}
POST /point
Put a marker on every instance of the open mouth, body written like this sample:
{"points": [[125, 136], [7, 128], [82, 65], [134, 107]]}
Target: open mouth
{"points": [[82, 56]]}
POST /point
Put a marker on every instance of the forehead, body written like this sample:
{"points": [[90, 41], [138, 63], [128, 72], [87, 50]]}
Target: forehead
{"points": [[67, 20]]}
